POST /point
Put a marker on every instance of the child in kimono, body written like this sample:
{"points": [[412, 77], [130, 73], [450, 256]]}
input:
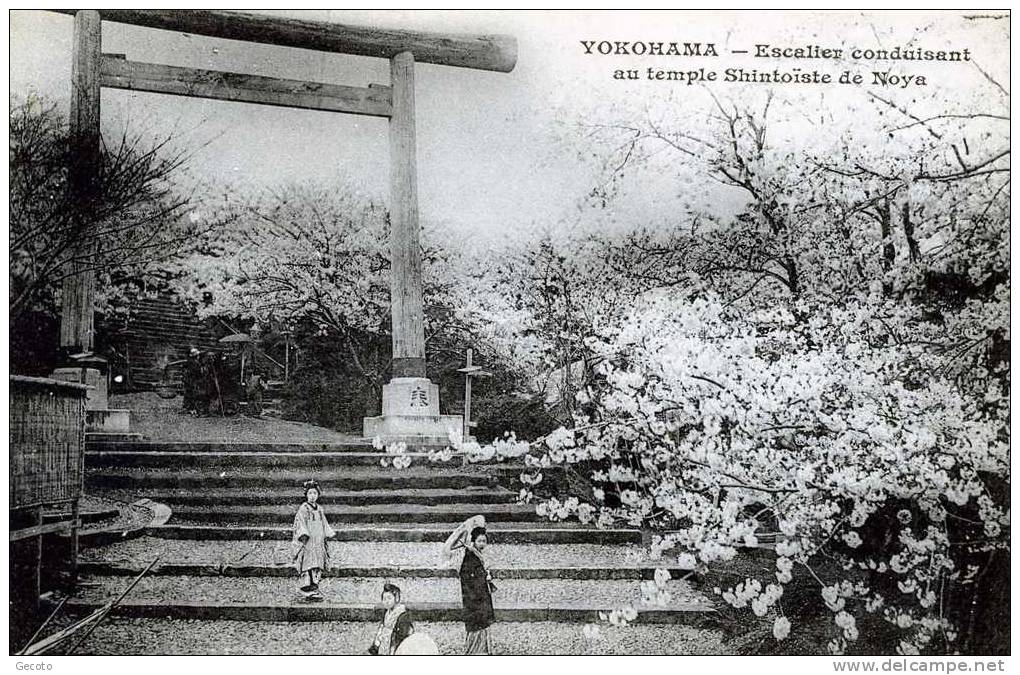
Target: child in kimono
{"points": [[311, 554], [396, 624]]}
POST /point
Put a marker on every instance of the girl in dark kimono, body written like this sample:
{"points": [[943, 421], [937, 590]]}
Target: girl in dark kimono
{"points": [[396, 624], [476, 593]]}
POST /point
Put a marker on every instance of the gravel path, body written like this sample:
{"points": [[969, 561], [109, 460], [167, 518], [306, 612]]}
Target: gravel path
{"points": [[378, 512], [293, 496], [493, 527], [163, 420], [167, 637], [328, 477], [511, 592], [364, 554]]}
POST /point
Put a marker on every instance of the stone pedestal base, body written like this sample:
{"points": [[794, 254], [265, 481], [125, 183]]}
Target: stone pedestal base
{"points": [[108, 421], [98, 415], [410, 413]]}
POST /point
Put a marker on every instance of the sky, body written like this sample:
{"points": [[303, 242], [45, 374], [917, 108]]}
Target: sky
{"points": [[498, 153]]}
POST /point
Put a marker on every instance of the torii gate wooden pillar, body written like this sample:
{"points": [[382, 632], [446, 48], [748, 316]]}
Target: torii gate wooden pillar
{"points": [[410, 400]]}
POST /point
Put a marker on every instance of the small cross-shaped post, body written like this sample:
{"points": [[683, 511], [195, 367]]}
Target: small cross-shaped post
{"points": [[470, 370]]}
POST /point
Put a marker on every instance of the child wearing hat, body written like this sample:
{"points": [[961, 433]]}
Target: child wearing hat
{"points": [[311, 554]]}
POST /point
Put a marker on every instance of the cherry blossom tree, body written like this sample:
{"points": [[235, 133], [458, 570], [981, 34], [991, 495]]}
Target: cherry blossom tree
{"points": [[318, 257], [141, 216], [826, 364], [144, 222]]}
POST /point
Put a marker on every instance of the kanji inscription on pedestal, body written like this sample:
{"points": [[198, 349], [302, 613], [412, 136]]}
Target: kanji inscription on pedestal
{"points": [[419, 398]]}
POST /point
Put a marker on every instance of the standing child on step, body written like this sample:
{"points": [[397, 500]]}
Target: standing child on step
{"points": [[311, 554]]}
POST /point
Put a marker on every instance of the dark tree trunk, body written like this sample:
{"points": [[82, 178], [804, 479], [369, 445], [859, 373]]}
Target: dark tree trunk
{"points": [[888, 249], [908, 232]]}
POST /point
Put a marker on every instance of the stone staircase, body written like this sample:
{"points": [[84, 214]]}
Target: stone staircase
{"points": [[272, 404], [225, 553], [156, 329]]}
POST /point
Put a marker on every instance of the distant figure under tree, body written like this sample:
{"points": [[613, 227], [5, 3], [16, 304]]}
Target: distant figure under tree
{"points": [[256, 388], [193, 386]]}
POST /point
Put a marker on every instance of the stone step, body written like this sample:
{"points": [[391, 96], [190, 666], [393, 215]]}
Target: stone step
{"points": [[700, 615], [158, 312], [140, 335], [294, 495], [158, 318], [348, 478], [372, 513], [154, 637], [356, 599], [286, 570], [173, 345], [174, 342], [502, 533], [172, 339], [164, 304], [97, 437], [156, 299], [263, 529], [99, 481], [371, 559], [158, 326], [161, 314], [130, 458], [216, 447]]}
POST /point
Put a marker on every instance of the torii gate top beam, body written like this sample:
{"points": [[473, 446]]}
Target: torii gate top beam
{"points": [[480, 52]]}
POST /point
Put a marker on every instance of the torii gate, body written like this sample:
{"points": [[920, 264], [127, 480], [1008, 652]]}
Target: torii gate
{"points": [[410, 401]]}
